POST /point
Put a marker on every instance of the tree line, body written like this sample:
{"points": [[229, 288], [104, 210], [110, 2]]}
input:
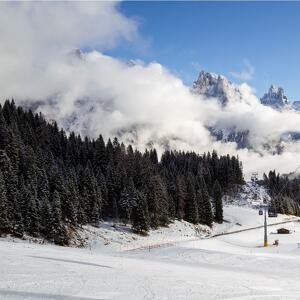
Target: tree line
{"points": [[51, 182], [284, 192]]}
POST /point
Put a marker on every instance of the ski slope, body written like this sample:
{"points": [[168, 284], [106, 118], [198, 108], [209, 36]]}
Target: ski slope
{"points": [[226, 267]]}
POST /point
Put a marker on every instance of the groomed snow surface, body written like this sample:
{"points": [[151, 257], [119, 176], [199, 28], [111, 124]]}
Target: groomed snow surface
{"points": [[189, 265]]}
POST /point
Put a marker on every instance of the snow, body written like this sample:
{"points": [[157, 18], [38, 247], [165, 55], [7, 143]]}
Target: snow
{"points": [[251, 194], [225, 267], [117, 264], [239, 218], [111, 236]]}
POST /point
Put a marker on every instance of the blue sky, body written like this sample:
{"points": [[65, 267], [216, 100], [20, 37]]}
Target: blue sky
{"points": [[221, 37]]}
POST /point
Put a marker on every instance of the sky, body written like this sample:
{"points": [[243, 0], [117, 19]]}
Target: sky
{"points": [[253, 42]]}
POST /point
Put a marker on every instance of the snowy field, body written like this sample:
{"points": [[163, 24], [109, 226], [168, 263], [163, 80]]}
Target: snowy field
{"points": [[226, 267]]}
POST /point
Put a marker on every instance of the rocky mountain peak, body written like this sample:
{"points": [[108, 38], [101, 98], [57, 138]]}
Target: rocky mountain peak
{"points": [[275, 97], [216, 86]]}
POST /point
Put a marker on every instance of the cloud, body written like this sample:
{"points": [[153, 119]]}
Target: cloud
{"points": [[246, 74], [145, 104]]}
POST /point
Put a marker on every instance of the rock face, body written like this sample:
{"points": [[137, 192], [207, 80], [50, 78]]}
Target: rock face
{"points": [[231, 135], [275, 98], [296, 105], [216, 86]]}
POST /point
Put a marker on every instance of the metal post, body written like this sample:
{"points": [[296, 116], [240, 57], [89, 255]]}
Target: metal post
{"points": [[265, 228]]}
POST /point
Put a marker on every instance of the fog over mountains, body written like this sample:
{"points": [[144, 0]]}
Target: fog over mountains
{"points": [[147, 105], [212, 86]]}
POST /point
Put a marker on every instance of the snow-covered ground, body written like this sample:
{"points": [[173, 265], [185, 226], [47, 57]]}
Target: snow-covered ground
{"points": [[238, 211], [121, 238], [243, 217], [110, 236], [226, 267], [191, 264]]}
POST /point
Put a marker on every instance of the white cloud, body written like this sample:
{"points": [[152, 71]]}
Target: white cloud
{"points": [[246, 74], [141, 103]]}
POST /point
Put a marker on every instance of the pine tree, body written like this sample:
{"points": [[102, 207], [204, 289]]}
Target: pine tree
{"points": [[4, 133], [11, 184], [90, 194], [112, 188], [140, 215], [46, 218], [72, 202], [102, 189], [217, 195], [4, 222], [57, 232], [206, 206], [158, 202], [181, 197], [128, 201], [43, 196], [95, 214], [31, 221], [13, 150], [100, 158], [192, 205], [201, 210]]}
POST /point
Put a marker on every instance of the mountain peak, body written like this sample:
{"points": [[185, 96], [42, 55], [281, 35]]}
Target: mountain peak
{"points": [[275, 97], [216, 86]]}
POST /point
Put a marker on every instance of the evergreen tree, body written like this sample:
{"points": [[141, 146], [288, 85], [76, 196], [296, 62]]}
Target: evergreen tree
{"points": [[181, 197], [207, 209], [72, 202], [158, 202], [4, 222], [4, 133], [32, 224], [128, 200], [140, 215], [11, 184], [112, 188], [46, 218], [100, 158], [192, 205], [57, 231], [218, 205]]}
